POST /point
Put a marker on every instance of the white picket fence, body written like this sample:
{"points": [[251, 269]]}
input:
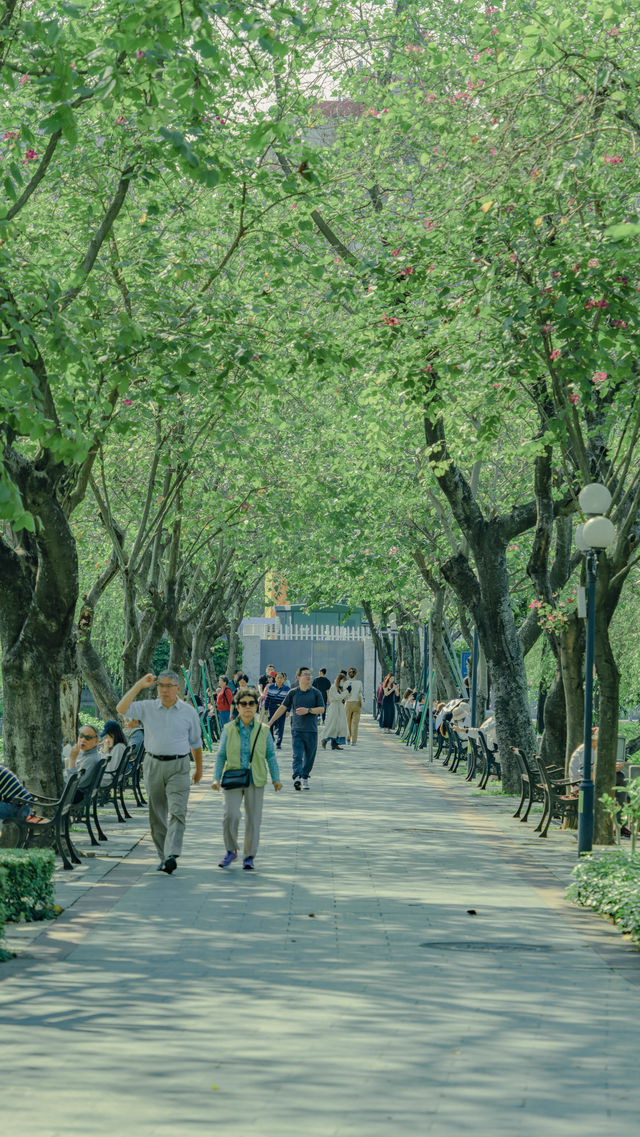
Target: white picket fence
{"points": [[280, 631]]}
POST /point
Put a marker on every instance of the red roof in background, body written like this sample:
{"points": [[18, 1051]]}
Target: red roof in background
{"points": [[340, 108]]}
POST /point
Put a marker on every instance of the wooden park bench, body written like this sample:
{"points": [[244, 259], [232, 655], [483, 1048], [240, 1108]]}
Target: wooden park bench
{"points": [[46, 831], [488, 761], [556, 804], [85, 807], [133, 773]]}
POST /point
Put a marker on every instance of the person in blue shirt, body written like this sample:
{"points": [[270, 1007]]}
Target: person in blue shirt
{"points": [[246, 744], [275, 694]]}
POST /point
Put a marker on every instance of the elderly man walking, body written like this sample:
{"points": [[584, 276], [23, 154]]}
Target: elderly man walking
{"points": [[171, 730]]}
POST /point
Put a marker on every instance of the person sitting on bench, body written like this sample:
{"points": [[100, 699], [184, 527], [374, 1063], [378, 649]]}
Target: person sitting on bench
{"points": [[113, 746], [14, 798], [84, 756]]}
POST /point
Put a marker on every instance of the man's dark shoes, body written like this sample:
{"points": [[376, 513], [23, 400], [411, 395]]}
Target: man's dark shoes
{"points": [[297, 784], [248, 863], [170, 865], [334, 746], [228, 859]]}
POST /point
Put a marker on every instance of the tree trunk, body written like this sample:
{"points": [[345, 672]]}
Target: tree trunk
{"points": [[554, 736], [571, 641], [448, 688], [70, 692], [382, 651], [482, 687], [198, 650], [131, 632], [38, 594], [180, 648], [94, 672], [487, 597], [234, 624]]}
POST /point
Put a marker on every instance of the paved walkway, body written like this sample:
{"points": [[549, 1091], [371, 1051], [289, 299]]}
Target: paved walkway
{"points": [[346, 989]]}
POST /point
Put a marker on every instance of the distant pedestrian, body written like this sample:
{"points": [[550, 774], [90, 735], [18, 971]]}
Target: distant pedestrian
{"points": [[305, 703], [242, 682], [322, 683], [335, 726], [390, 695], [265, 679], [171, 733], [233, 682], [379, 698], [246, 745], [354, 704], [275, 694], [224, 700]]}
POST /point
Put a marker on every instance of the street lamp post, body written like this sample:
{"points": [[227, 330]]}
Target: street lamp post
{"points": [[596, 534]]}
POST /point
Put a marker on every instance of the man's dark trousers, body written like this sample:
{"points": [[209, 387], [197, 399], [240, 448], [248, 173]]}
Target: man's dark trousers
{"points": [[305, 744]]}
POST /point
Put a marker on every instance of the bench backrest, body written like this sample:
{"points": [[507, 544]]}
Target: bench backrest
{"points": [[121, 768], [69, 792]]}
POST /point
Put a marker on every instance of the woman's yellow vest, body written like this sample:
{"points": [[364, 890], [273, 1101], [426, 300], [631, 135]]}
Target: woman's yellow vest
{"points": [[234, 751]]}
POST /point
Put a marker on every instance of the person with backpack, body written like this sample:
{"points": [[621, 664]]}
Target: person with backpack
{"points": [[224, 700]]}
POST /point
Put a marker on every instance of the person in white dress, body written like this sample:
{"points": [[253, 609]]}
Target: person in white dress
{"points": [[335, 723]]}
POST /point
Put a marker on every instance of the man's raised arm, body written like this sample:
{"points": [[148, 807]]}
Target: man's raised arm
{"points": [[147, 681]]}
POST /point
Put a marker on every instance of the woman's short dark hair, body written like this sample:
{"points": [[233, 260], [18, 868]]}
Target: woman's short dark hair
{"points": [[115, 730]]}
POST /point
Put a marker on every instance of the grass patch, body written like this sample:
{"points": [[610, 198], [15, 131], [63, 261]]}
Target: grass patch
{"points": [[609, 883]]}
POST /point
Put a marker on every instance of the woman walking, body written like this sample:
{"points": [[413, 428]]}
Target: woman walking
{"points": [[246, 751], [353, 705], [390, 693], [335, 723]]}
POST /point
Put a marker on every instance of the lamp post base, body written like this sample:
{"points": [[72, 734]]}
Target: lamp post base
{"points": [[585, 817]]}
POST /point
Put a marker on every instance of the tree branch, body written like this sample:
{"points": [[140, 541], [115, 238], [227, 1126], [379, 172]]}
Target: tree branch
{"points": [[100, 235]]}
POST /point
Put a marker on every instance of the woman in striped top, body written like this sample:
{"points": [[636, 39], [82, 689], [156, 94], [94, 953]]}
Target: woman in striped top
{"points": [[14, 799]]}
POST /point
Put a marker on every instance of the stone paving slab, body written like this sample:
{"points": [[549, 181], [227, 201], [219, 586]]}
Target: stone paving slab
{"points": [[344, 989]]}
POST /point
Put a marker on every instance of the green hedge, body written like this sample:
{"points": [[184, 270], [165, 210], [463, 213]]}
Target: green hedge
{"points": [[610, 884], [26, 884]]}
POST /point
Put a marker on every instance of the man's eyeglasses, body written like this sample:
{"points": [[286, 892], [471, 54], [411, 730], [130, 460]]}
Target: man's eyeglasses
{"points": [[247, 703], [89, 737]]}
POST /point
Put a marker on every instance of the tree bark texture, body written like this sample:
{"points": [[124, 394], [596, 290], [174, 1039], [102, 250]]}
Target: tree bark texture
{"points": [[38, 593], [487, 597], [383, 650], [571, 640], [485, 593], [554, 736], [94, 672]]}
